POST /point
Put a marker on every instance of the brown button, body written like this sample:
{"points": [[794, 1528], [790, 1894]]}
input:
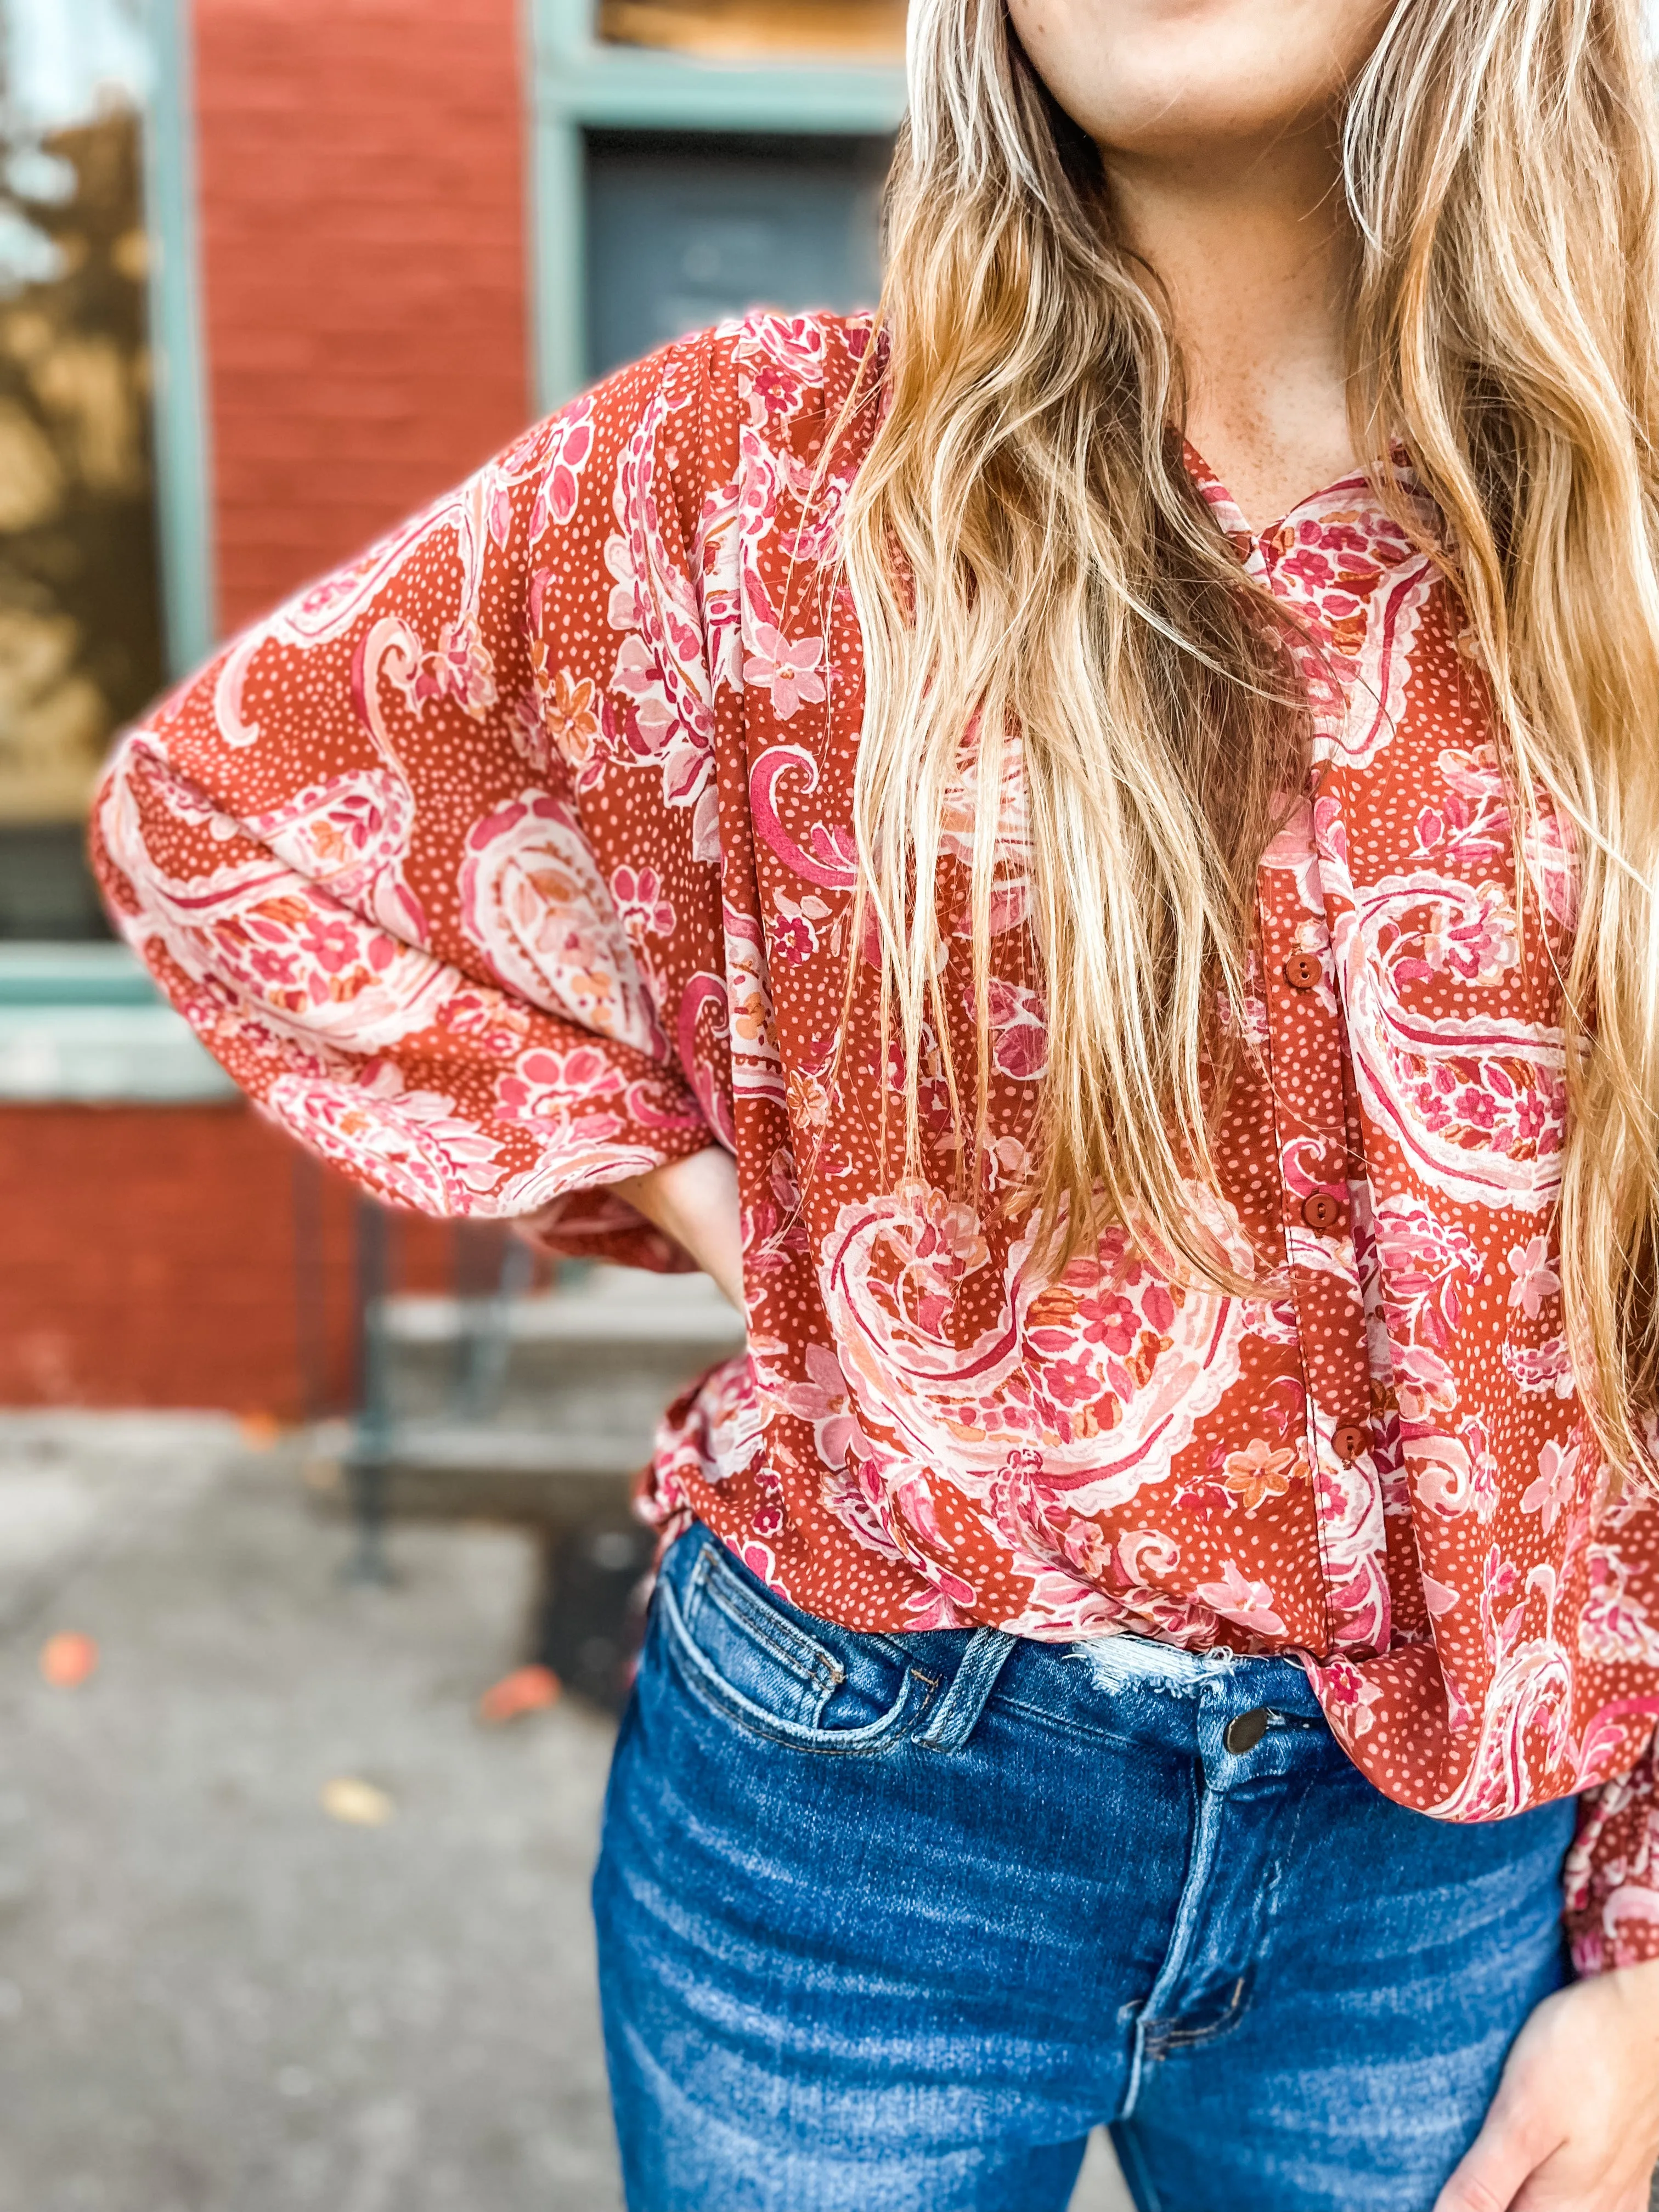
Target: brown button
{"points": [[1350, 1442], [1245, 1731], [1322, 1211], [1302, 971]]}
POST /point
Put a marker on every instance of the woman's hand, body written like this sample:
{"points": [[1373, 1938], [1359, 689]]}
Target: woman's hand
{"points": [[1575, 2125], [695, 1201]]}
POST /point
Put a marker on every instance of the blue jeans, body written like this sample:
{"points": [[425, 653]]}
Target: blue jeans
{"points": [[888, 1922]]}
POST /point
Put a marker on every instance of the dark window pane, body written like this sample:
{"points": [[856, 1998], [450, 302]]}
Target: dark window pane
{"points": [[45, 886], [683, 232]]}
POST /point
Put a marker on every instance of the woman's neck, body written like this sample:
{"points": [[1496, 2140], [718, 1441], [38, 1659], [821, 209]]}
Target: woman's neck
{"points": [[1255, 248]]}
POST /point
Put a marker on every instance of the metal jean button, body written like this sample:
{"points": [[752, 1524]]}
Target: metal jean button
{"points": [[1245, 1731]]}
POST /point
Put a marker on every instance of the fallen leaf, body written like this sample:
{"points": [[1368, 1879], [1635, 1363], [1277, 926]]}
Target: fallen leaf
{"points": [[525, 1690], [69, 1660], [357, 1803]]}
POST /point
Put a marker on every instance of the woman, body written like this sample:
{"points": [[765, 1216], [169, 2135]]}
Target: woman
{"points": [[1151, 1013]]}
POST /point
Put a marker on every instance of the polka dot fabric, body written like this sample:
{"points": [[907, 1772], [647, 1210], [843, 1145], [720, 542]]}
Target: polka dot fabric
{"points": [[515, 859]]}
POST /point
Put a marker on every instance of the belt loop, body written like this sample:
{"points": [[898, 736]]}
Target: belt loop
{"points": [[964, 1701]]}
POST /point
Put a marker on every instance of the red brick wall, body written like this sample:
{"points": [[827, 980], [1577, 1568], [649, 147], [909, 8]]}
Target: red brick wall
{"points": [[363, 181], [362, 172], [163, 1256], [150, 1261]]}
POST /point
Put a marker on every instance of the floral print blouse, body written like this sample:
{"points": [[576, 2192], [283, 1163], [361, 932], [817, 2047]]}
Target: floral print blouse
{"points": [[514, 859]]}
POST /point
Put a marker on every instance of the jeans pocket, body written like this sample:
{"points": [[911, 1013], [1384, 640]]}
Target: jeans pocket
{"points": [[760, 1666]]}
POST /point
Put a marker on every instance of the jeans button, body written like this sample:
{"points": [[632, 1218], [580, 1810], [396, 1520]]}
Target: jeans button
{"points": [[1245, 1731]]}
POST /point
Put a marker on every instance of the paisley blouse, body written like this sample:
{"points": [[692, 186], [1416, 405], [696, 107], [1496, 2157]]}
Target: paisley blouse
{"points": [[514, 859]]}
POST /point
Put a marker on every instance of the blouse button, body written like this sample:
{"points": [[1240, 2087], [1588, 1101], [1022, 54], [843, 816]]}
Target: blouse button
{"points": [[1350, 1442], [1322, 1211], [1302, 971]]}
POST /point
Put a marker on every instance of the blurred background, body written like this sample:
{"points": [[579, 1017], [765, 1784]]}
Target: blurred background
{"points": [[318, 1576]]}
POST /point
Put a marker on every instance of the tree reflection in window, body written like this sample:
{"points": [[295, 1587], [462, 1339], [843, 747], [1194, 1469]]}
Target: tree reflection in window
{"points": [[80, 640]]}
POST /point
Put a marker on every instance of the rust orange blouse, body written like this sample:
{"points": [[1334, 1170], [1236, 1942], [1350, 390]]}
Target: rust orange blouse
{"points": [[514, 859]]}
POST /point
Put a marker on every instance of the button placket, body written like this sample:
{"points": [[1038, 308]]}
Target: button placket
{"points": [[1304, 1048]]}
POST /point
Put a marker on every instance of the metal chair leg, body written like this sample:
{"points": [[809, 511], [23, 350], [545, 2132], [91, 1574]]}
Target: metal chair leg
{"points": [[370, 1450], [486, 1339]]}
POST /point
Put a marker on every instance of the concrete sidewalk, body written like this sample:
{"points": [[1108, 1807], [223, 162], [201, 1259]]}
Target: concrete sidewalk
{"points": [[214, 1997]]}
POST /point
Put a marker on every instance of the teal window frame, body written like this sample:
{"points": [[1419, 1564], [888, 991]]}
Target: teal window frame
{"points": [[84, 1024], [578, 84], [183, 436]]}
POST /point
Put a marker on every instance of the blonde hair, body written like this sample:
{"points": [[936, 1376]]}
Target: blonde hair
{"points": [[1037, 577]]}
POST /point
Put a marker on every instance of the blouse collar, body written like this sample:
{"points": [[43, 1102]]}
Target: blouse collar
{"points": [[1352, 496]]}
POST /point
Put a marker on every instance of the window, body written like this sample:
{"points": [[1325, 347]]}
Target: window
{"points": [[685, 230], [695, 158], [743, 30], [82, 625]]}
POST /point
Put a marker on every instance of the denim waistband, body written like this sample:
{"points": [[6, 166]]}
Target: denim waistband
{"points": [[1182, 1702], [1125, 1662]]}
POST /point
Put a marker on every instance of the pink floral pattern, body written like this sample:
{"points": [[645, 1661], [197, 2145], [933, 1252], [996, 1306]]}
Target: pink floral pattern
{"points": [[516, 858]]}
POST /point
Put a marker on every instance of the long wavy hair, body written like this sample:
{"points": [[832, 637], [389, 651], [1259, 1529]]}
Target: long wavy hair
{"points": [[1048, 606]]}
